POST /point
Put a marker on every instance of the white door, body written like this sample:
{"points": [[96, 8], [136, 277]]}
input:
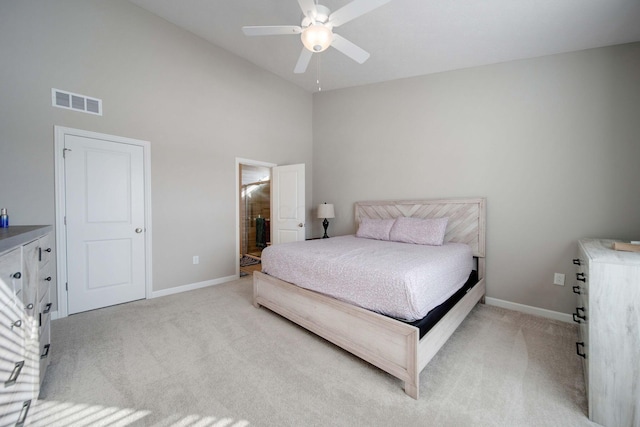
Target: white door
{"points": [[104, 209], [287, 204]]}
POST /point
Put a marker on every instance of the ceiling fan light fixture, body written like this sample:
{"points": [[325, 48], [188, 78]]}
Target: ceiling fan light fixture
{"points": [[317, 37]]}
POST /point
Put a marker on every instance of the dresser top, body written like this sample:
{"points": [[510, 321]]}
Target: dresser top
{"points": [[17, 235], [601, 250]]}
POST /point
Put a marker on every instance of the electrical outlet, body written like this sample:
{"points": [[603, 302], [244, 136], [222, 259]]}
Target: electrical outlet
{"points": [[558, 279], [196, 260]]}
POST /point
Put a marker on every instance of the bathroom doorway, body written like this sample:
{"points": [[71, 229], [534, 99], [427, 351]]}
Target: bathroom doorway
{"points": [[254, 215]]}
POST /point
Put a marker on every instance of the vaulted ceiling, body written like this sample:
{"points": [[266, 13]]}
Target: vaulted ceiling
{"points": [[408, 38]]}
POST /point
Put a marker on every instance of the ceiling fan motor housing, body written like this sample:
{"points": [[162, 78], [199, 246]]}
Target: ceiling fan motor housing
{"points": [[321, 16]]}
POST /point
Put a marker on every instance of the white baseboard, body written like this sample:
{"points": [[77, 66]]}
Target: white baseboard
{"points": [[178, 289], [192, 286], [549, 314]]}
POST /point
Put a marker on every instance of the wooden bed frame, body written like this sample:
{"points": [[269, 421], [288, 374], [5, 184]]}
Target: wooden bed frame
{"points": [[389, 344]]}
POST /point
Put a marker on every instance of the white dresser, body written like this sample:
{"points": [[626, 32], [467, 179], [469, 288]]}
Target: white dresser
{"points": [[608, 313], [25, 282]]}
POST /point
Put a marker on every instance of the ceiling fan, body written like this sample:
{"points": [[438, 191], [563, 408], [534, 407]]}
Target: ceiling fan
{"points": [[316, 30]]}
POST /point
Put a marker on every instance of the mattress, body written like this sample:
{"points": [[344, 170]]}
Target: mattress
{"points": [[400, 280]]}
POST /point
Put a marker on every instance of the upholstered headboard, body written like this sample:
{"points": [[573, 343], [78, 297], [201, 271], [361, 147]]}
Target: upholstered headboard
{"points": [[467, 217]]}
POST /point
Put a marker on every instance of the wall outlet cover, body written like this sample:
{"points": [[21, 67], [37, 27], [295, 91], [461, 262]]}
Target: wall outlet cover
{"points": [[558, 279]]}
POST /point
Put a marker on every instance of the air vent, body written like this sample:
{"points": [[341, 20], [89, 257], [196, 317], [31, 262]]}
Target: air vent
{"points": [[76, 102]]}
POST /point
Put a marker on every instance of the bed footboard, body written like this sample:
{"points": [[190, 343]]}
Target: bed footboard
{"points": [[386, 343]]}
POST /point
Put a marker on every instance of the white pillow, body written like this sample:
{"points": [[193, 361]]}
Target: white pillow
{"points": [[375, 228], [422, 231]]}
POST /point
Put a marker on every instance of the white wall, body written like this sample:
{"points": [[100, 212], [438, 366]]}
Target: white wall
{"points": [[553, 143], [198, 105]]}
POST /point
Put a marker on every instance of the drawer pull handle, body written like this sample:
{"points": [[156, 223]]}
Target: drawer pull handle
{"points": [[23, 413], [29, 306], [576, 290], [17, 324], [578, 316], [48, 279], [583, 354], [48, 250], [45, 354], [16, 275], [580, 277], [14, 374], [48, 308], [576, 261]]}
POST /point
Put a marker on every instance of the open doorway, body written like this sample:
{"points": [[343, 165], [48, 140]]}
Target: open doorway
{"points": [[254, 215]]}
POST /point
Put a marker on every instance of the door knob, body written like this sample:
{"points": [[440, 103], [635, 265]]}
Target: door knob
{"points": [[138, 230]]}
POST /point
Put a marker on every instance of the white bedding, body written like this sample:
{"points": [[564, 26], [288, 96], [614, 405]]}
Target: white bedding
{"points": [[401, 280]]}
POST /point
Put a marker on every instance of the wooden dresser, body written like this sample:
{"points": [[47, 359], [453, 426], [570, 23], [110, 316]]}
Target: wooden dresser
{"points": [[25, 305], [608, 312]]}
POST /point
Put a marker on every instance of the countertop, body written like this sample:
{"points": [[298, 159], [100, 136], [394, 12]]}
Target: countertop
{"points": [[17, 235]]}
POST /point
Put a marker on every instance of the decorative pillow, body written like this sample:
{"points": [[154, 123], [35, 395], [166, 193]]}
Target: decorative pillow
{"points": [[427, 231], [375, 228]]}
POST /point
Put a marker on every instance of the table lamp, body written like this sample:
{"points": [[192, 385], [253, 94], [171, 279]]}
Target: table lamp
{"points": [[325, 211]]}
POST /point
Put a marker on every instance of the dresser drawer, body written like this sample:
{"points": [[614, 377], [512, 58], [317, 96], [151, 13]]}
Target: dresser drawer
{"points": [[44, 310], [15, 386], [45, 278], [30, 277], [583, 351], [15, 412], [45, 347], [45, 249], [11, 272]]}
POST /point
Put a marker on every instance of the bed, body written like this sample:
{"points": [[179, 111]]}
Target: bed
{"points": [[395, 346]]}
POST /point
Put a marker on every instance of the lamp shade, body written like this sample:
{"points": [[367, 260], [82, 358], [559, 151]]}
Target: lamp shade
{"points": [[326, 211], [316, 37]]}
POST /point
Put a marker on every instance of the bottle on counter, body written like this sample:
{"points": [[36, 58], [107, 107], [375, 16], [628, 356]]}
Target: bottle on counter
{"points": [[4, 218]]}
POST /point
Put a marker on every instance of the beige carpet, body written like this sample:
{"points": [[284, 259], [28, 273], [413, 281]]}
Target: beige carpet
{"points": [[209, 358]]}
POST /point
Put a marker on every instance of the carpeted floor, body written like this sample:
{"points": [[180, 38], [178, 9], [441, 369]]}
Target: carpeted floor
{"points": [[209, 358]]}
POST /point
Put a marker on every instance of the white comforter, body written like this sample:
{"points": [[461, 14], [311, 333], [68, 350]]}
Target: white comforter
{"points": [[401, 280]]}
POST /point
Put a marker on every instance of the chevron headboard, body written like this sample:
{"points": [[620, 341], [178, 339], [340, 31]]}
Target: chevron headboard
{"points": [[467, 217]]}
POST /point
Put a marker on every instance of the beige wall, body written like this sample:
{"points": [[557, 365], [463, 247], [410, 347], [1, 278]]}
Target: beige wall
{"points": [[198, 105], [553, 143]]}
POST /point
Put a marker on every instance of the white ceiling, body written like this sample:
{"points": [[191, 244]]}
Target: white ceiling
{"points": [[408, 37]]}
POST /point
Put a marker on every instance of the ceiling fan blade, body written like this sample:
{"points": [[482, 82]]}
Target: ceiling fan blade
{"points": [[308, 8], [273, 30], [353, 10], [351, 50], [303, 61]]}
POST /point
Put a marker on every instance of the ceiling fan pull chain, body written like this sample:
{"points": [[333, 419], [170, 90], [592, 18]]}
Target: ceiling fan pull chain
{"points": [[318, 73]]}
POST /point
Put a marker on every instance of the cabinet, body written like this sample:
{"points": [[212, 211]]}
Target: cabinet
{"points": [[24, 327], [45, 278], [608, 313]]}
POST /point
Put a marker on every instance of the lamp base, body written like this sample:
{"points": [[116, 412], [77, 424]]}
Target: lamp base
{"points": [[325, 224]]}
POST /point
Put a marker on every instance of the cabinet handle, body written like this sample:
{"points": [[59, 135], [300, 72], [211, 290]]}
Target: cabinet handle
{"points": [[583, 354], [48, 279], [23, 413], [580, 277], [48, 308], [576, 261], [48, 250], [16, 275], [14, 374], [29, 306], [578, 316], [17, 324], [46, 351], [576, 290]]}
